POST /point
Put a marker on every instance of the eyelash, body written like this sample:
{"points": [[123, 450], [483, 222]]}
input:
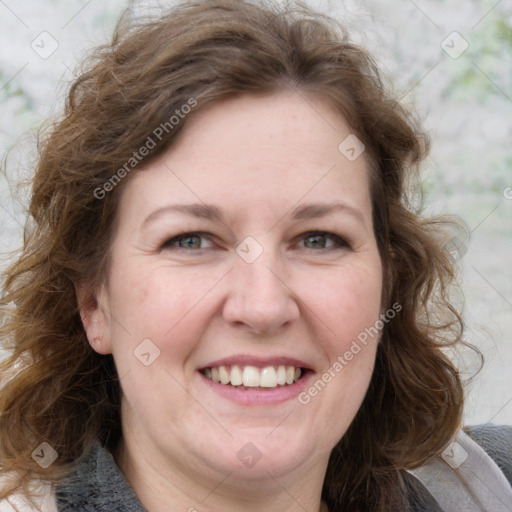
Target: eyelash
{"points": [[341, 243]]}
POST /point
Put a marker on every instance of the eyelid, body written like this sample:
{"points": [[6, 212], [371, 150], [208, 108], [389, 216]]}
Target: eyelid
{"points": [[167, 242], [342, 242]]}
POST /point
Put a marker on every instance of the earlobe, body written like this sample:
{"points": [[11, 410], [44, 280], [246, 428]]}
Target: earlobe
{"points": [[95, 319], [100, 345]]}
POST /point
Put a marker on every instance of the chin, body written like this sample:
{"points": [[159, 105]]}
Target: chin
{"points": [[257, 457]]}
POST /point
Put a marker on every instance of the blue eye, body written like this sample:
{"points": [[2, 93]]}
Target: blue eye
{"points": [[315, 240], [185, 241], [322, 240]]}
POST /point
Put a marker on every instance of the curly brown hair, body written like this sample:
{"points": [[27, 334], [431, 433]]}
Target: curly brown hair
{"points": [[65, 393]]}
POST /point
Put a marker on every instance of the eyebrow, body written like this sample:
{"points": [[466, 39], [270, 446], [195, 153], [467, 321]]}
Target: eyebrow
{"points": [[211, 212], [201, 211], [316, 210]]}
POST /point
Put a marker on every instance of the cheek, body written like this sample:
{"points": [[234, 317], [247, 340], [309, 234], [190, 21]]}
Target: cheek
{"points": [[155, 301], [162, 306], [346, 307], [350, 307], [165, 305], [346, 301]]}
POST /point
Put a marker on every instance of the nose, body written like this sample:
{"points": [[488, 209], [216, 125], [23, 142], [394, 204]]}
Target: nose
{"points": [[259, 298]]}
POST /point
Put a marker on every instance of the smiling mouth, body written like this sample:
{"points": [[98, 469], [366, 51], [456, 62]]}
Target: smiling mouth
{"points": [[251, 377]]}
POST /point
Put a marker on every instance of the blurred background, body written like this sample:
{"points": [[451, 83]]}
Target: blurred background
{"points": [[449, 61]]}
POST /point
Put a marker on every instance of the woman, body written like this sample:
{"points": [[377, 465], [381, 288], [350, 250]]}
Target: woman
{"points": [[224, 301]]}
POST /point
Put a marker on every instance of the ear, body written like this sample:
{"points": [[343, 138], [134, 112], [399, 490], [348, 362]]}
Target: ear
{"points": [[93, 307]]}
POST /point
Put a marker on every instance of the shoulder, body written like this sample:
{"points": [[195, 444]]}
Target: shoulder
{"points": [[475, 469], [42, 498], [496, 441], [94, 484]]}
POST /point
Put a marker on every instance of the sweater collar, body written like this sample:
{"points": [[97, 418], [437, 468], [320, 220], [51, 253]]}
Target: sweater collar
{"points": [[97, 485]]}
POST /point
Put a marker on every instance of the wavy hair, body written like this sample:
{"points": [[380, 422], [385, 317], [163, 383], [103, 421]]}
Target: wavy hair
{"points": [[60, 391]]}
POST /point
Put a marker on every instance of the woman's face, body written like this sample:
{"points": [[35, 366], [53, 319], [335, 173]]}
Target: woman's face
{"points": [[277, 276]]}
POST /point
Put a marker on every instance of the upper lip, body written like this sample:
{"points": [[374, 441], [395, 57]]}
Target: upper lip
{"points": [[248, 360]]}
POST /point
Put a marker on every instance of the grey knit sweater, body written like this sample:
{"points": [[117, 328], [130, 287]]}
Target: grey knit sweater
{"points": [[98, 485]]}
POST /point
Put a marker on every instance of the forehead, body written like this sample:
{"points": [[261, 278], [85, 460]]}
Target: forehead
{"points": [[270, 151]]}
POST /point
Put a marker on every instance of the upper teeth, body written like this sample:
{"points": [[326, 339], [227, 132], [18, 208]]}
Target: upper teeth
{"points": [[252, 376]]}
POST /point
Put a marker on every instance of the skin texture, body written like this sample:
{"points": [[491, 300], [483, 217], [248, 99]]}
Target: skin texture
{"points": [[256, 158]]}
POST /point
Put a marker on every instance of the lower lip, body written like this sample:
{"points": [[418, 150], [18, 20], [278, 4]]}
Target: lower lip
{"points": [[257, 396]]}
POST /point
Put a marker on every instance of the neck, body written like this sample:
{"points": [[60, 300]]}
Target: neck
{"points": [[158, 486]]}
